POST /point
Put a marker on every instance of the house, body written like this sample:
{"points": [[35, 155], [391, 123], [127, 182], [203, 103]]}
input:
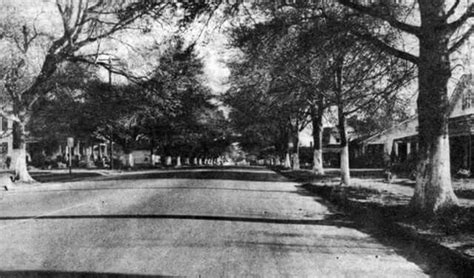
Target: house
{"points": [[6, 142], [331, 147], [399, 144], [331, 142]]}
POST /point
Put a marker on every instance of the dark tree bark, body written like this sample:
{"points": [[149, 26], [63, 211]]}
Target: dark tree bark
{"points": [[344, 146], [433, 182], [317, 121]]}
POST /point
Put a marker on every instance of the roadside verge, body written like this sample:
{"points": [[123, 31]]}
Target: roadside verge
{"points": [[447, 239]]}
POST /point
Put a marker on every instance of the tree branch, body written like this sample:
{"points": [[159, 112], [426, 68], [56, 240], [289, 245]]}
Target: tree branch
{"points": [[453, 9], [453, 26], [9, 116], [387, 48], [134, 79], [415, 30], [461, 41]]}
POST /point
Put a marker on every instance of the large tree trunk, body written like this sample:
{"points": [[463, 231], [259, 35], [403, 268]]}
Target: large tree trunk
{"points": [[344, 154], [433, 189], [296, 150], [344, 147], [317, 120], [21, 170]]}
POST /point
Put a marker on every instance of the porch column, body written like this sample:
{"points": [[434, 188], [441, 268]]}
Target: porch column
{"points": [[408, 150]]}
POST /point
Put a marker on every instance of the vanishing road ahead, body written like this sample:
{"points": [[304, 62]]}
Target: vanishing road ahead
{"points": [[197, 223]]}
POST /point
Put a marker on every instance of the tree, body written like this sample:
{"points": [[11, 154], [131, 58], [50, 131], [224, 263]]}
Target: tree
{"points": [[322, 64], [82, 26], [280, 73], [172, 108], [438, 37]]}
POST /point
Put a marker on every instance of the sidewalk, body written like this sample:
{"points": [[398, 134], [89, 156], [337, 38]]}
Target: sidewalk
{"points": [[384, 206]]}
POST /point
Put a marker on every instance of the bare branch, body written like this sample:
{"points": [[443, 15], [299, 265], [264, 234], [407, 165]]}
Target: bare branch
{"points": [[106, 65], [461, 41], [453, 26], [453, 9]]}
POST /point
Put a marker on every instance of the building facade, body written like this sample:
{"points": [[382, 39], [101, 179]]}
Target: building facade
{"points": [[6, 143], [399, 144]]}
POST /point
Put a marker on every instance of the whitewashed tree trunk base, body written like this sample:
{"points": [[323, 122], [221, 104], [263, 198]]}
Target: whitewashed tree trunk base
{"points": [[345, 170], [318, 168], [168, 161], [178, 162], [433, 190], [287, 163], [21, 169], [130, 160]]}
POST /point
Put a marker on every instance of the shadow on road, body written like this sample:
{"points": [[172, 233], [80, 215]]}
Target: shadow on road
{"points": [[203, 174], [330, 220], [68, 274], [60, 177], [115, 188], [217, 172]]}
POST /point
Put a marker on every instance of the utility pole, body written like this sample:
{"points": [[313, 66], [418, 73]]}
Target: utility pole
{"points": [[111, 131], [111, 128]]}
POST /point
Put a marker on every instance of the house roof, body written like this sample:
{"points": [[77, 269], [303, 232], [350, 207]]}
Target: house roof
{"points": [[465, 81]]}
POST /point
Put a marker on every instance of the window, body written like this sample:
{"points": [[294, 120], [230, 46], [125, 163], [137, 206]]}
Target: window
{"points": [[4, 148], [467, 100], [4, 124]]}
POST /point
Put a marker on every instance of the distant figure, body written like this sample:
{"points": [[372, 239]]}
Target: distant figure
{"points": [[8, 161]]}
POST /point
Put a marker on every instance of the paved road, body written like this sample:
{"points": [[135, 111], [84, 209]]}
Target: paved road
{"points": [[220, 223]]}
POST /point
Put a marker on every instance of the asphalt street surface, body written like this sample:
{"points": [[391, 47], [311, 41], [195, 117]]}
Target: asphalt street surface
{"points": [[197, 223]]}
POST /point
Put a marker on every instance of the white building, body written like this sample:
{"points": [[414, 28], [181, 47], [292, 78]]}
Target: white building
{"points": [[6, 141]]}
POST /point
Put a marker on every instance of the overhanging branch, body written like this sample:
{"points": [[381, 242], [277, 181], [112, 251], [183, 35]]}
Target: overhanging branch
{"points": [[387, 48], [415, 30], [453, 26], [461, 41]]}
